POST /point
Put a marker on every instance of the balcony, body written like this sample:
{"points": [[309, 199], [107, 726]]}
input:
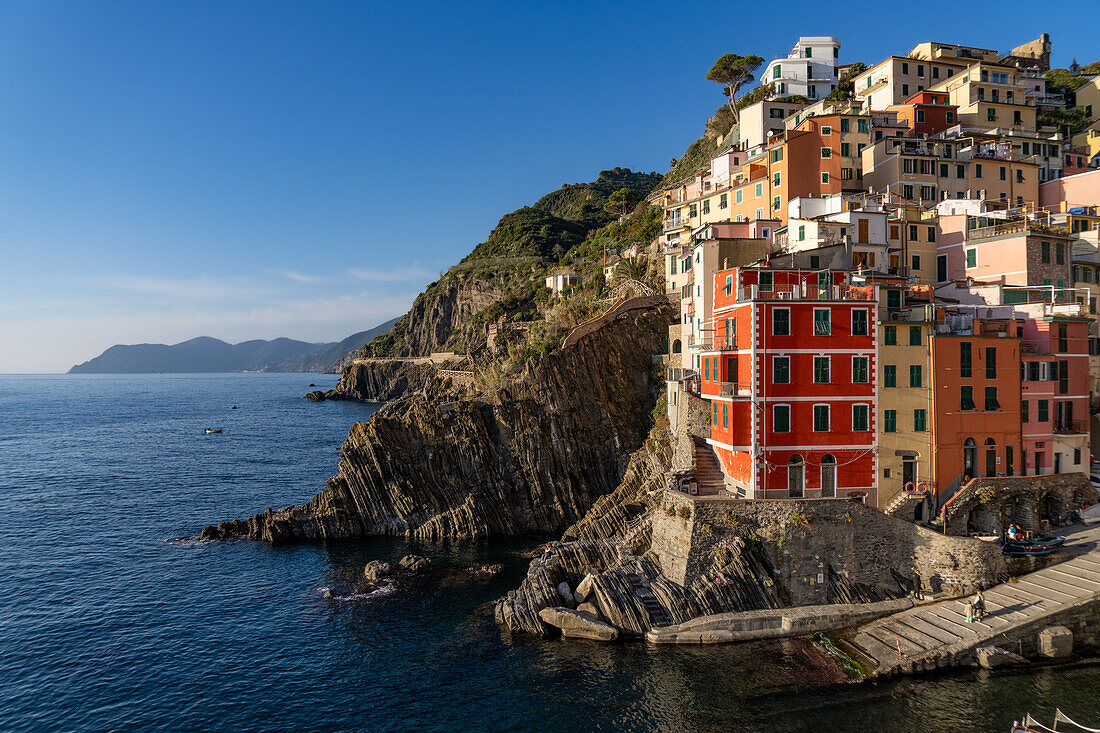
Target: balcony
{"points": [[921, 314], [719, 342], [733, 389], [671, 224], [810, 292], [676, 374], [1070, 427], [1031, 348]]}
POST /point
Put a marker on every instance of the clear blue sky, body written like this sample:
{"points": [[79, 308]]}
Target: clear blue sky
{"points": [[262, 169]]}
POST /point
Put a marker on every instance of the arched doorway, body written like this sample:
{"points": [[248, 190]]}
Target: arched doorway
{"points": [[676, 347], [990, 457], [1050, 509], [969, 457], [828, 476], [981, 520], [796, 477]]}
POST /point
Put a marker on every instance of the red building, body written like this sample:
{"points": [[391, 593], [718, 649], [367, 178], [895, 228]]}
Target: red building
{"points": [[927, 113], [790, 373]]}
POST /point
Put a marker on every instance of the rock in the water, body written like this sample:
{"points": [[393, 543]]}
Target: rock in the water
{"points": [[485, 570], [414, 563], [991, 657], [1056, 642], [315, 396], [578, 624], [566, 594], [589, 607], [311, 384], [377, 569], [585, 588], [326, 592]]}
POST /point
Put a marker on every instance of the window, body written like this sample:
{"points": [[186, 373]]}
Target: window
{"points": [[972, 257], [1004, 173], [781, 321], [824, 177], [1044, 411], [960, 171], [990, 362], [781, 419], [890, 335], [915, 375], [1076, 456], [777, 72], [844, 124], [1063, 338], [914, 336], [950, 114], [920, 69], [801, 232], [859, 322], [977, 170], [776, 202], [859, 369], [1060, 254], [821, 418], [913, 232], [890, 375], [889, 421], [916, 262], [920, 420], [714, 414], [920, 115], [706, 369], [860, 420], [991, 402], [845, 149], [905, 90], [775, 179], [943, 170], [904, 67], [821, 370], [759, 190], [1044, 252], [967, 394], [991, 113], [826, 130], [965, 363], [781, 369], [706, 206], [723, 201], [815, 261], [1024, 411], [822, 322], [826, 152], [737, 196], [861, 125]]}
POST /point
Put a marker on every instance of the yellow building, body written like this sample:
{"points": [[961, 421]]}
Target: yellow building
{"points": [[1089, 139], [989, 95], [1088, 96], [905, 409], [897, 78]]}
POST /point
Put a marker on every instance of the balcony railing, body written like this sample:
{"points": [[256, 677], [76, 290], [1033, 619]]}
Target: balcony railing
{"points": [[676, 374], [1074, 427], [671, 224], [1030, 347], [732, 389]]}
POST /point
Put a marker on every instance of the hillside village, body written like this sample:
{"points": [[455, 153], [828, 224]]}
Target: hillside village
{"points": [[886, 279]]}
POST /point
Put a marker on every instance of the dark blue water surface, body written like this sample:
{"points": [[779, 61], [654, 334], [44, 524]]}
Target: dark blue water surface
{"points": [[107, 623]]}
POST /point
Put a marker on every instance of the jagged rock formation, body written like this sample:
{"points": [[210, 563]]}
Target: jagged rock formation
{"points": [[531, 457], [381, 380]]}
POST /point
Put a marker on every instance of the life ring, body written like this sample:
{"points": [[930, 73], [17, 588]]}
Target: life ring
{"points": [[922, 488], [909, 487]]}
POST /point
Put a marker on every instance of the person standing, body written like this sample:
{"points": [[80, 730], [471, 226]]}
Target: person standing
{"points": [[979, 606], [969, 611], [918, 593]]}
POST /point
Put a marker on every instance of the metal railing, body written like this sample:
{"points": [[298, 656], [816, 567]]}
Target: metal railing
{"points": [[671, 224], [676, 374], [732, 389], [1074, 427]]}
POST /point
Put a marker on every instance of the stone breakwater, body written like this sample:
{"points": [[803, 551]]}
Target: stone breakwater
{"points": [[531, 456], [679, 559]]}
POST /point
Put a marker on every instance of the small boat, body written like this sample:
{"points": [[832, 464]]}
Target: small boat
{"points": [[1031, 725], [1053, 541], [1011, 551], [1090, 514], [208, 431]]}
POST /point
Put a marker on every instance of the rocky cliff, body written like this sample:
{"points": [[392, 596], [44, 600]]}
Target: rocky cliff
{"points": [[531, 455]]}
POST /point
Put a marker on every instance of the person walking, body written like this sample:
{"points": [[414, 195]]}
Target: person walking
{"points": [[979, 606], [969, 611]]}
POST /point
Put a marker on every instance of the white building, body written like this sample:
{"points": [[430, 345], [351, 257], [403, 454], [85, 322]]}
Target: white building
{"points": [[810, 69], [562, 280]]}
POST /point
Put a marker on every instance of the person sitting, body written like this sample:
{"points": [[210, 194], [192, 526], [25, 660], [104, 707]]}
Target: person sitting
{"points": [[1013, 532]]}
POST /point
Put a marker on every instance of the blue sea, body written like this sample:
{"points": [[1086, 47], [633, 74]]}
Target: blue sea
{"points": [[110, 622]]}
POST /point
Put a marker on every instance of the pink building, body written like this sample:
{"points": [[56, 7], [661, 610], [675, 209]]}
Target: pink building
{"points": [[1082, 189]]}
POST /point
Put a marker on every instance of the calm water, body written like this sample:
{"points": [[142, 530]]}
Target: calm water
{"points": [[107, 624]]}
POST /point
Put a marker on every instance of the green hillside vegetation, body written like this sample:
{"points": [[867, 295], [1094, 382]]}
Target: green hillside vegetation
{"points": [[561, 219]]}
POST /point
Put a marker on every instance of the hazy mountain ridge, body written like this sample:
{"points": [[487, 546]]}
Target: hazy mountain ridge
{"points": [[206, 354]]}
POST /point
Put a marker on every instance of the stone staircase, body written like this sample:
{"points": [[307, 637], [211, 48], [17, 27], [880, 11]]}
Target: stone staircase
{"points": [[657, 613], [708, 474], [937, 634]]}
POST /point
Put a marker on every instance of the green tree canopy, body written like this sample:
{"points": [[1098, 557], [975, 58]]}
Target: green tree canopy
{"points": [[733, 71], [623, 201]]}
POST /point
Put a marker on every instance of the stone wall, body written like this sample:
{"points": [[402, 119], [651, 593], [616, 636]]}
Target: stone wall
{"points": [[989, 505], [824, 551]]}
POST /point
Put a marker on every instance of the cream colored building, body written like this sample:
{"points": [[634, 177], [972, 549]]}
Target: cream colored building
{"points": [[761, 120], [1088, 96], [989, 95], [897, 78]]}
